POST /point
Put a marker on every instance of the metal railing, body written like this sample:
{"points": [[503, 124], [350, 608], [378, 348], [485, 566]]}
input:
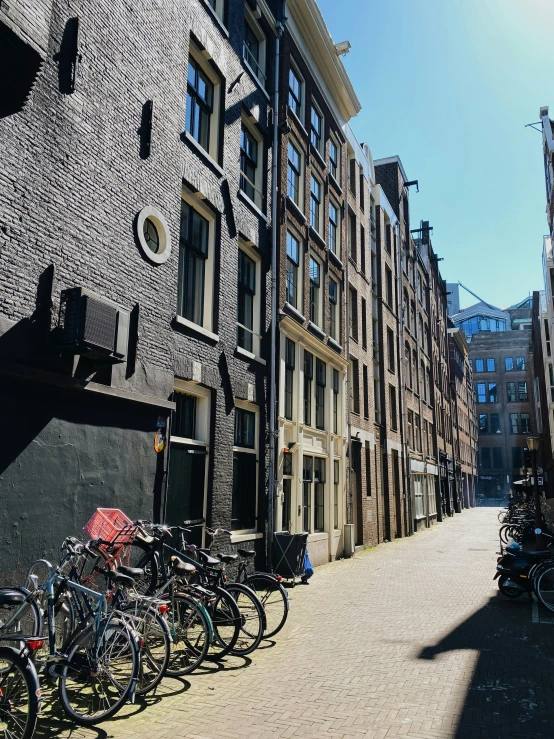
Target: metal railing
{"points": [[252, 62]]}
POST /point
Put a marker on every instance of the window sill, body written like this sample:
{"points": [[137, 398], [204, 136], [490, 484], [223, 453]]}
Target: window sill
{"points": [[193, 143], [336, 260], [238, 538], [321, 161], [251, 204], [301, 217], [216, 18], [249, 355], [316, 330], [196, 328], [298, 122], [254, 77], [319, 536], [334, 345], [335, 184], [317, 237], [295, 313]]}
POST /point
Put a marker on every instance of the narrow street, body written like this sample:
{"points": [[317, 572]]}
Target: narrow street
{"points": [[411, 639]]}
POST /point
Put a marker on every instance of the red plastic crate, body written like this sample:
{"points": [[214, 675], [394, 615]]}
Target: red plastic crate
{"points": [[109, 524]]}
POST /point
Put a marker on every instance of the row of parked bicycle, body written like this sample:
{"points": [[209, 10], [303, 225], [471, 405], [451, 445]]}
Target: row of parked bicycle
{"points": [[118, 612], [522, 566]]}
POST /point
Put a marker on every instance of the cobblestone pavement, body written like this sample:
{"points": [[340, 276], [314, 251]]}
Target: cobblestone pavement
{"points": [[411, 639]]}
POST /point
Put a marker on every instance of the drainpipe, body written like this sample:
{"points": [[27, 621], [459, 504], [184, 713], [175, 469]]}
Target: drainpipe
{"points": [[273, 430], [350, 502]]}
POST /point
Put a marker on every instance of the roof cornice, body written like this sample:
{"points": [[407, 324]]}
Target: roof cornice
{"points": [[311, 25]]}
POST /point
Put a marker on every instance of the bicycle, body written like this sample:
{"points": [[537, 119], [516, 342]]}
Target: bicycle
{"points": [[19, 684]]}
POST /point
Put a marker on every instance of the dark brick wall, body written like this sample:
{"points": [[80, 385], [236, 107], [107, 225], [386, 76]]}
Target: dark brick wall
{"points": [[71, 184]]}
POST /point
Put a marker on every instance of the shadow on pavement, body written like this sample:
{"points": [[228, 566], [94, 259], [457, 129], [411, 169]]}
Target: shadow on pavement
{"points": [[511, 693]]}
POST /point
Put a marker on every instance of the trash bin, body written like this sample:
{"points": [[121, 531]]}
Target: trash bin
{"points": [[289, 551]]}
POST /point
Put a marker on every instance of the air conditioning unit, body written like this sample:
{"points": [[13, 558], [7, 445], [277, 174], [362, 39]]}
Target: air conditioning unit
{"points": [[92, 325]]}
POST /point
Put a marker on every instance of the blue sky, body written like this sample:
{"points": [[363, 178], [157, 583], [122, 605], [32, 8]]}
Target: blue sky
{"points": [[449, 85]]}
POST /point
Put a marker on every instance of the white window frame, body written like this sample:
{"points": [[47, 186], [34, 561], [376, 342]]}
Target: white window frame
{"points": [[336, 336], [209, 277], [252, 407], [321, 148], [300, 203], [296, 72], [335, 176], [299, 269], [328, 476], [319, 228], [258, 179], [256, 323], [200, 59], [337, 250], [219, 9], [319, 321], [258, 69]]}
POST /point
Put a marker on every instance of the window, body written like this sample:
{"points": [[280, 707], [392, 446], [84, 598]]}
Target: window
{"points": [[336, 478], [367, 469], [392, 405], [408, 359], [334, 228], [514, 423], [388, 284], [293, 175], [377, 395], [353, 295], [412, 316], [365, 390], [417, 432], [319, 494], [483, 423], [522, 391], [308, 377], [497, 457], [195, 275], [200, 103], [246, 296], [290, 363], [320, 382], [315, 284], [495, 423], [362, 250], [333, 310], [313, 498], [520, 363], [390, 345], [525, 423], [491, 367], [254, 48], [364, 323], [355, 386], [315, 204], [295, 92], [479, 365], [316, 129], [511, 392], [288, 476], [492, 392], [335, 401], [334, 158], [293, 248], [509, 364], [415, 375], [352, 249], [245, 471], [218, 7], [485, 457], [249, 165], [411, 429], [422, 385], [425, 438], [481, 394], [516, 458]]}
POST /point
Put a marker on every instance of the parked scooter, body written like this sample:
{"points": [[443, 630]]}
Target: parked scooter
{"points": [[517, 568]]}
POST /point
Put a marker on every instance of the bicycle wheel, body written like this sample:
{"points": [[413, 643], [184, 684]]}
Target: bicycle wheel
{"points": [[155, 644], [507, 588], [19, 695], [101, 672], [274, 599], [545, 587], [252, 618], [29, 621], [190, 632], [226, 621], [141, 555]]}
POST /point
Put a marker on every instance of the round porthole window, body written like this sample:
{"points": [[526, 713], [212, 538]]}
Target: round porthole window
{"points": [[153, 235]]}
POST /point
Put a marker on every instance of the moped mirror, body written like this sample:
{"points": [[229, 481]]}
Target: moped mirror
{"points": [[538, 531]]}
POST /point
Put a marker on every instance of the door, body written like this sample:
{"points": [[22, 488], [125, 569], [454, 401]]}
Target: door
{"points": [[186, 489], [356, 483]]}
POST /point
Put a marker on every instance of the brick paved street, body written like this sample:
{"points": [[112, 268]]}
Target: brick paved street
{"points": [[412, 639]]}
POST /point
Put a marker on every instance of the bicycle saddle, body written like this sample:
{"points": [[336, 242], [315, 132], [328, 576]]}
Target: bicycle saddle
{"points": [[180, 567], [211, 561], [228, 558], [246, 552], [118, 578], [130, 571], [11, 597]]}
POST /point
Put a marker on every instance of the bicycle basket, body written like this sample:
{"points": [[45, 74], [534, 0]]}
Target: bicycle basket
{"points": [[110, 524]]}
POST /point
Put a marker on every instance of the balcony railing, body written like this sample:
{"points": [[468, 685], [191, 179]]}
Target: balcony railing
{"points": [[253, 63]]}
